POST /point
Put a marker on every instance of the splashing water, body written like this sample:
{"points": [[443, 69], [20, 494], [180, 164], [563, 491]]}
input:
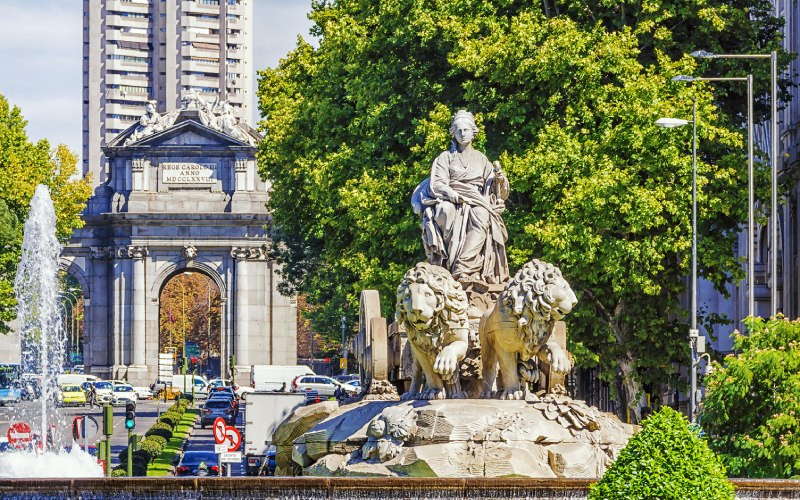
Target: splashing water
{"points": [[42, 343]]}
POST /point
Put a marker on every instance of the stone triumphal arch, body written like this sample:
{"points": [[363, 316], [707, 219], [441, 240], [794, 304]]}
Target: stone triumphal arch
{"points": [[181, 193]]}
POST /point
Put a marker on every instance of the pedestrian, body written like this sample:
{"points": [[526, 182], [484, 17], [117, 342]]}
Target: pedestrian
{"points": [[92, 396]]}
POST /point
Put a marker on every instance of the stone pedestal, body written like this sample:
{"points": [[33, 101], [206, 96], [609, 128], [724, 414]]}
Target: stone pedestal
{"points": [[547, 437]]}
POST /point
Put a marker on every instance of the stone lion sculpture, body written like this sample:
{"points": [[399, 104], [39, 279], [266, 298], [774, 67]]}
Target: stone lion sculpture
{"points": [[520, 326], [433, 308]]}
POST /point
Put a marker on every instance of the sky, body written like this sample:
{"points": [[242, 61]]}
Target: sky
{"points": [[41, 54]]}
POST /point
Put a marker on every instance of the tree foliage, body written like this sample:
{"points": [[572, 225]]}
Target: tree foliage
{"points": [[23, 166], [665, 460], [752, 407], [190, 303], [566, 104]]}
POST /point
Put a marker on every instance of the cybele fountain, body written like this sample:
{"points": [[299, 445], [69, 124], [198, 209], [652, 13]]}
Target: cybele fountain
{"points": [[42, 347]]}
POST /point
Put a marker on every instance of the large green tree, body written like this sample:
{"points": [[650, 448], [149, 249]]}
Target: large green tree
{"points": [[352, 125], [23, 166]]}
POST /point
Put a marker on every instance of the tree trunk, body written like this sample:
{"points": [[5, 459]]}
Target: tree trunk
{"points": [[631, 387]]}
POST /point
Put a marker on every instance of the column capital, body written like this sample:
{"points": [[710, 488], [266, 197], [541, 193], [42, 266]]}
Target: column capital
{"points": [[249, 253], [102, 253], [136, 252]]}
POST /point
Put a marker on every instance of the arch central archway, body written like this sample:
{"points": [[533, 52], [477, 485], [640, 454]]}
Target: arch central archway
{"points": [[190, 320]]}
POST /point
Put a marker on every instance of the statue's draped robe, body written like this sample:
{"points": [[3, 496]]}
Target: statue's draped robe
{"points": [[467, 238]]}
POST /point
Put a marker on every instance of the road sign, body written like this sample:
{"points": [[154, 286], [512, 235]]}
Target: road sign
{"points": [[219, 430], [84, 427], [233, 438], [343, 363], [230, 458], [220, 448], [19, 433]]}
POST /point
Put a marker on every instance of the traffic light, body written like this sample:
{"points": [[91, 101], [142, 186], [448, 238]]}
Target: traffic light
{"points": [[130, 415]]}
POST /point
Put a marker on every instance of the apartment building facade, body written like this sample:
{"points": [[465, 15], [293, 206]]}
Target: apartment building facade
{"points": [[787, 281], [160, 50]]}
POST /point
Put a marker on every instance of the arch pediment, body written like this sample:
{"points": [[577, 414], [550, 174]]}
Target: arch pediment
{"points": [[186, 133]]}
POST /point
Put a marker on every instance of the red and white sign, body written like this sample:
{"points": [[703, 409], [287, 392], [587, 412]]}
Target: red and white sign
{"points": [[20, 434], [219, 430], [226, 435], [234, 438]]}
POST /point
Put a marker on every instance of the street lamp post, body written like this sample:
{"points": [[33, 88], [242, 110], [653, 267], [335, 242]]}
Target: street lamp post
{"points": [[773, 218], [693, 332], [750, 180]]}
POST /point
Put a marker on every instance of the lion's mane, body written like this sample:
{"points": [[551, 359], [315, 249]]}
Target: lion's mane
{"points": [[451, 306], [531, 289]]}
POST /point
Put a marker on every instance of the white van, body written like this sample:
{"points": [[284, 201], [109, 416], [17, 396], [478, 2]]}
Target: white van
{"points": [[75, 378], [200, 384], [273, 377]]}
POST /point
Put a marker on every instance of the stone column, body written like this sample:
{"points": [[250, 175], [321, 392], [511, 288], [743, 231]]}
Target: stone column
{"points": [[138, 254], [241, 331]]}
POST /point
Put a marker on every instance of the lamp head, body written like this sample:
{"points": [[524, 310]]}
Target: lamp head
{"points": [[683, 78], [671, 122], [703, 54]]}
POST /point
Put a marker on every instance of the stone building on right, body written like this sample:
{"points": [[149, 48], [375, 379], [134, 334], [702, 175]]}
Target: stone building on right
{"points": [[787, 280]]}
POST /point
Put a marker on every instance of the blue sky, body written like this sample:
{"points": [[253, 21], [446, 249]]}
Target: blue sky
{"points": [[41, 53]]}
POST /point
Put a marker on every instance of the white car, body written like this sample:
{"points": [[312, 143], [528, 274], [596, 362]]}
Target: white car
{"points": [[123, 394], [325, 386], [143, 392], [104, 392]]}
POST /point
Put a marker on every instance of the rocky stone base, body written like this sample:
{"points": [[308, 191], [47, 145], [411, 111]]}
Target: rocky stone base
{"points": [[548, 437]]}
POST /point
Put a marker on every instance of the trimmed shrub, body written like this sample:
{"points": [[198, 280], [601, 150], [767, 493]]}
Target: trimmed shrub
{"points": [[170, 419], [665, 460], [160, 432], [150, 447], [159, 439], [119, 472]]}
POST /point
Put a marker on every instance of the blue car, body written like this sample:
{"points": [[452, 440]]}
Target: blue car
{"points": [[215, 408], [10, 394]]}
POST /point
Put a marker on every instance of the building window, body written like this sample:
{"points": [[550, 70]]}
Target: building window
{"points": [[130, 59]]}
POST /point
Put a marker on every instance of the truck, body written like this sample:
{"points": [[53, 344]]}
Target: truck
{"points": [[276, 377], [264, 412]]}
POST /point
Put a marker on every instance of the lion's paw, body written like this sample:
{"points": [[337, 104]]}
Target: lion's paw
{"points": [[410, 396], [512, 394], [488, 395], [458, 395], [433, 394], [558, 358]]}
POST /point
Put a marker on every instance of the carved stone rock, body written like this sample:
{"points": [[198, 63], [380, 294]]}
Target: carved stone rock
{"points": [[543, 438], [297, 424]]}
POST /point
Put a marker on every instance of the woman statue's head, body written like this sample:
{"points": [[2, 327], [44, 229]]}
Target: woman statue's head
{"points": [[463, 128]]}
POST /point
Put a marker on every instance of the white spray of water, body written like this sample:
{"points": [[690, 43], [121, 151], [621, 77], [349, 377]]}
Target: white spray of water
{"points": [[42, 344]]}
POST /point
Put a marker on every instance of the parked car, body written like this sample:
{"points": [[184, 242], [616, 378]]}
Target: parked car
{"points": [[347, 378], [325, 386], [355, 383], [191, 461], [101, 396], [10, 394], [103, 392], [142, 392], [215, 408], [123, 394], [72, 395]]}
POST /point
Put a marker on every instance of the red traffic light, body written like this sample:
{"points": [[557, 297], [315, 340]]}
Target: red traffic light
{"points": [[327, 360], [194, 360]]}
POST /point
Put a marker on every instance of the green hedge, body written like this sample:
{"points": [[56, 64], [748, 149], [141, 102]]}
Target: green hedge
{"points": [[156, 439], [667, 460]]}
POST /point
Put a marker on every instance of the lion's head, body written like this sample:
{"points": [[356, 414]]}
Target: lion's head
{"points": [[429, 300], [538, 291]]}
